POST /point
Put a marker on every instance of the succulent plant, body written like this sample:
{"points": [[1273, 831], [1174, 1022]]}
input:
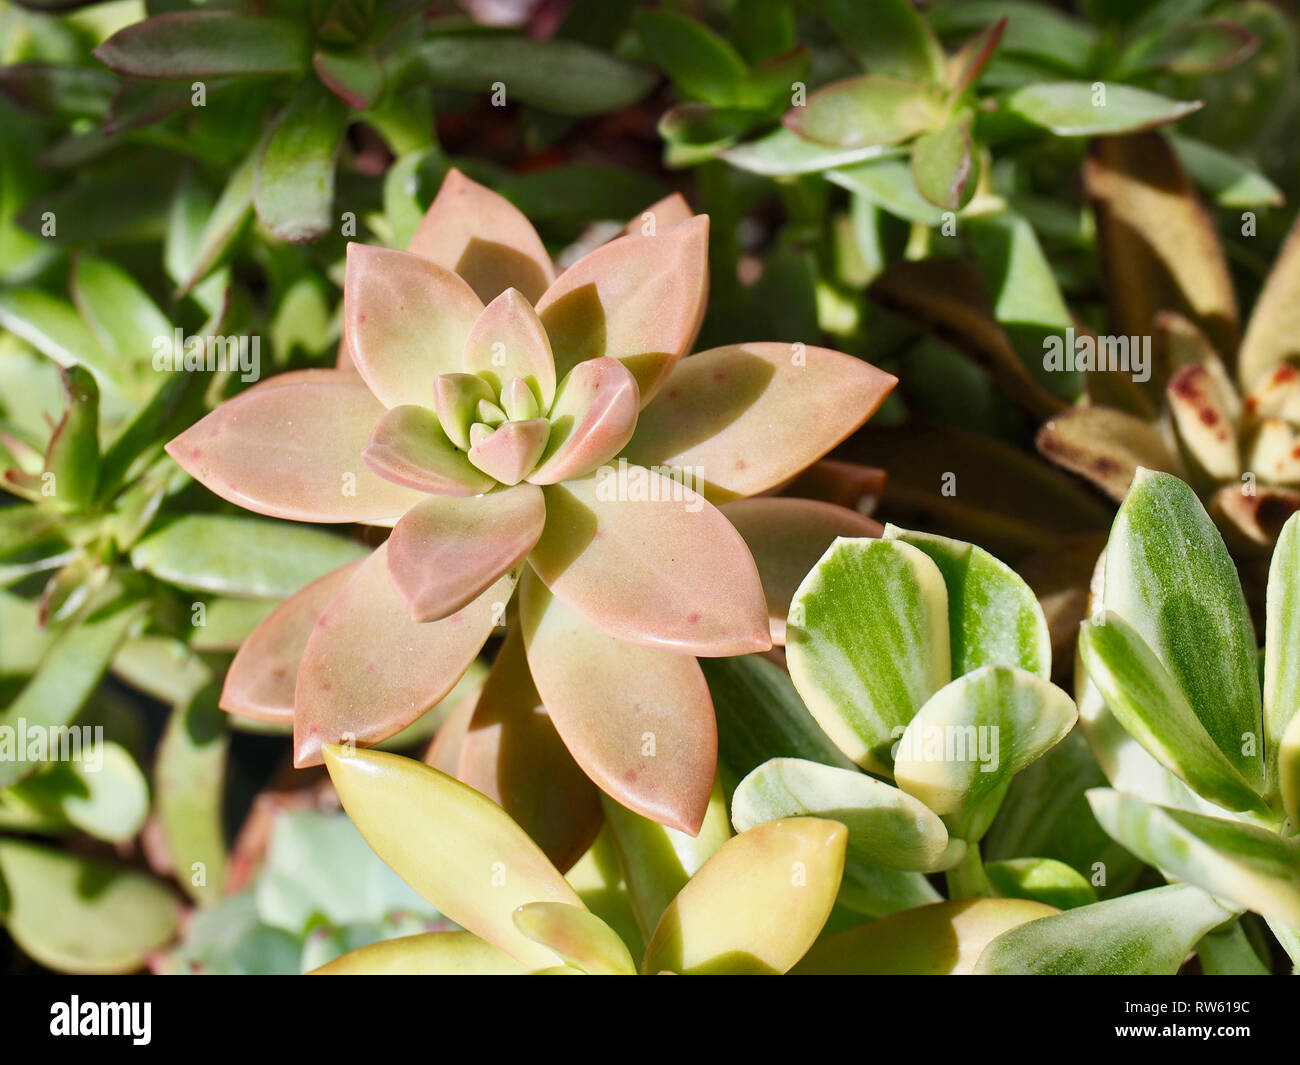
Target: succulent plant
{"points": [[1199, 738], [501, 415]]}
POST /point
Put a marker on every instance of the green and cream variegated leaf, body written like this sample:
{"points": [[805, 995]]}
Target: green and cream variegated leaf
{"points": [[456, 847], [972, 736], [1169, 575], [1282, 640], [1148, 933], [867, 643], [994, 619], [1249, 866], [1288, 771], [886, 826], [1151, 706]]}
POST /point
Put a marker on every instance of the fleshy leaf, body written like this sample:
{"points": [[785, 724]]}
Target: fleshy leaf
{"points": [[592, 419], [1153, 708], [1282, 639], [293, 190], [886, 826], [446, 551], [350, 685], [1079, 109], [1202, 401], [581, 939], [872, 109], [867, 643], [508, 341], [457, 848], [638, 720], [1149, 933], [890, 36], [409, 448], [647, 560], [1270, 338], [639, 299], [993, 617], [512, 754], [1170, 577], [787, 537], [961, 749], [430, 954], [1250, 866], [484, 238], [1042, 880], [206, 44], [742, 419], [943, 165], [406, 320], [1106, 446], [757, 905], [456, 397], [261, 680], [945, 938], [290, 447], [508, 453]]}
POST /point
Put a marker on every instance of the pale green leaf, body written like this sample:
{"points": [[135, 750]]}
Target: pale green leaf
{"points": [[1088, 109], [1042, 880], [580, 939]]}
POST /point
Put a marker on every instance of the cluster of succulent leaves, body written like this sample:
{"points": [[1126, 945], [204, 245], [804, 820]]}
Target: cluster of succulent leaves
{"points": [[937, 190]]}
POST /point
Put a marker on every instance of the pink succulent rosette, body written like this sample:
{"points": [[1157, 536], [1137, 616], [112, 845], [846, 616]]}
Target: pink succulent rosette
{"points": [[501, 415]]}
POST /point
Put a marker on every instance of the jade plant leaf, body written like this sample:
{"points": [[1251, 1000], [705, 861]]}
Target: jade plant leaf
{"points": [[1250, 866], [1149, 933], [457, 848], [1087, 109], [867, 643], [886, 826], [756, 905], [873, 109], [206, 44], [944, 166]]}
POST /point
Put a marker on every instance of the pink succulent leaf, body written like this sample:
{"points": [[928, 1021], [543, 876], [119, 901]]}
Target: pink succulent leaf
{"points": [[605, 697], [408, 447], [512, 753], [638, 299], [290, 447], [508, 341], [672, 209], [368, 670], [343, 358], [447, 550], [456, 397], [787, 537], [749, 416], [849, 484], [444, 752], [645, 559], [510, 452], [485, 238], [261, 679], [406, 320], [592, 420]]}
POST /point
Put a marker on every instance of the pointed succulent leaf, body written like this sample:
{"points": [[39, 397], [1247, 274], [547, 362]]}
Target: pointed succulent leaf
{"points": [[508, 341], [1288, 770], [966, 65], [994, 618], [406, 319], [592, 419], [483, 237], [446, 551], [1170, 577], [512, 753], [290, 447], [1005, 718], [647, 560], [944, 166], [945, 938], [746, 417], [293, 189], [508, 453], [1042, 880], [703, 65], [123, 317], [757, 905], [867, 643], [1282, 636], [886, 826], [784, 152], [1201, 399], [349, 683], [638, 720], [1231, 179], [1159, 247], [221, 225], [579, 938], [429, 954], [72, 456], [867, 110], [638, 299], [787, 537], [1253, 519], [457, 848], [55, 918], [1077, 109], [1274, 323], [456, 399], [183, 45], [261, 680], [409, 448], [1249, 866], [354, 75], [1149, 933], [1153, 708], [1106, 446]]}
